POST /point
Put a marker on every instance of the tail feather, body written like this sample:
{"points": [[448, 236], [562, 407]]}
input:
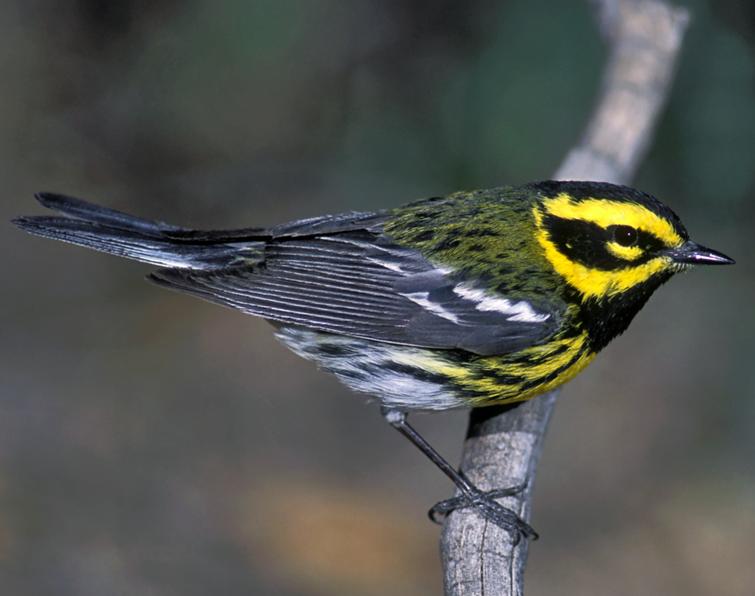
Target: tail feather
{"points": [[92, 213], [153, 242]]}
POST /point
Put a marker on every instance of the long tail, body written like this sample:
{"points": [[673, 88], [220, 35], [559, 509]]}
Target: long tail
{"points": [[158, 243]]}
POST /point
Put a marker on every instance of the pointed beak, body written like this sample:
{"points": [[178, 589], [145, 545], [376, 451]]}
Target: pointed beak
{"points": [[694, 254]]}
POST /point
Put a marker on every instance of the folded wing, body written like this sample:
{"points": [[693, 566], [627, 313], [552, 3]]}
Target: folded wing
{"points": [[357, 282]]}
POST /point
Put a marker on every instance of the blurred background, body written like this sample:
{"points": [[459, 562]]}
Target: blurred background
{"points": [[154, 444]]}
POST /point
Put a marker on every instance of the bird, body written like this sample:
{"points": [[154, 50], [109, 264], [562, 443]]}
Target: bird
{"points": [[473, 299]]}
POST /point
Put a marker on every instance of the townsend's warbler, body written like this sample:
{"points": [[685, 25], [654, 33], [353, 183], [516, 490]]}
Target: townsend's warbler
{"points": [[477, 298]]}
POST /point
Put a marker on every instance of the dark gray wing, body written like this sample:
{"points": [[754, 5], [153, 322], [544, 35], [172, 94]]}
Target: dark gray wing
{"points": [[360, 284]]}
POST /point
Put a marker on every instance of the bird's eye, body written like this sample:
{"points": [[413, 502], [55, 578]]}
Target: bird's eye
{"points": [[625, 235]]}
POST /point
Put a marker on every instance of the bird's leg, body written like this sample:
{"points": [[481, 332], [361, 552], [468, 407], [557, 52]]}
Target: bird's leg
{"points": [[471, 496], [441, 509]]}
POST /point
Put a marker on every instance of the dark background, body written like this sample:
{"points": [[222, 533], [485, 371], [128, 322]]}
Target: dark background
{"points": [[153, 444]]}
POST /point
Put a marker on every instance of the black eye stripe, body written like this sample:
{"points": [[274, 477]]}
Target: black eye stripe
{"points": [[648, 241], [585, 243]]}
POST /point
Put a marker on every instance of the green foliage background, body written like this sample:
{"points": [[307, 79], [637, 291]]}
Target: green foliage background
{"points": [[153, 444]]}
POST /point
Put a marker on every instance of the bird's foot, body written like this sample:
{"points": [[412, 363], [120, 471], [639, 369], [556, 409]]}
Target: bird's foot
{"points": [[491, 510]]}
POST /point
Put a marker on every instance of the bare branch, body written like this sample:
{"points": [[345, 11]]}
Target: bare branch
{"points": [[645, 38], [502, 447]]}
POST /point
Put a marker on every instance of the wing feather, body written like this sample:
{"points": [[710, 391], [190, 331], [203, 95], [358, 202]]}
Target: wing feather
{"points": [[361, 284]]}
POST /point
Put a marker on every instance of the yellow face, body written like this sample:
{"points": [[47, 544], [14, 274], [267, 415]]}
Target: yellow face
{"points": [[603, 247]]}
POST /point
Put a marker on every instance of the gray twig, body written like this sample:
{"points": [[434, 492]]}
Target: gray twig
{"points": [[502, 447]]}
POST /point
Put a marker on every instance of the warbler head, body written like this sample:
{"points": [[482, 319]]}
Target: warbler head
{"points": [[612, 246], [605, 240]]}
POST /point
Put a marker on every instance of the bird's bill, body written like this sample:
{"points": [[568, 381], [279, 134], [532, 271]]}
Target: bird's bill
{"points": [[693, 254]]}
